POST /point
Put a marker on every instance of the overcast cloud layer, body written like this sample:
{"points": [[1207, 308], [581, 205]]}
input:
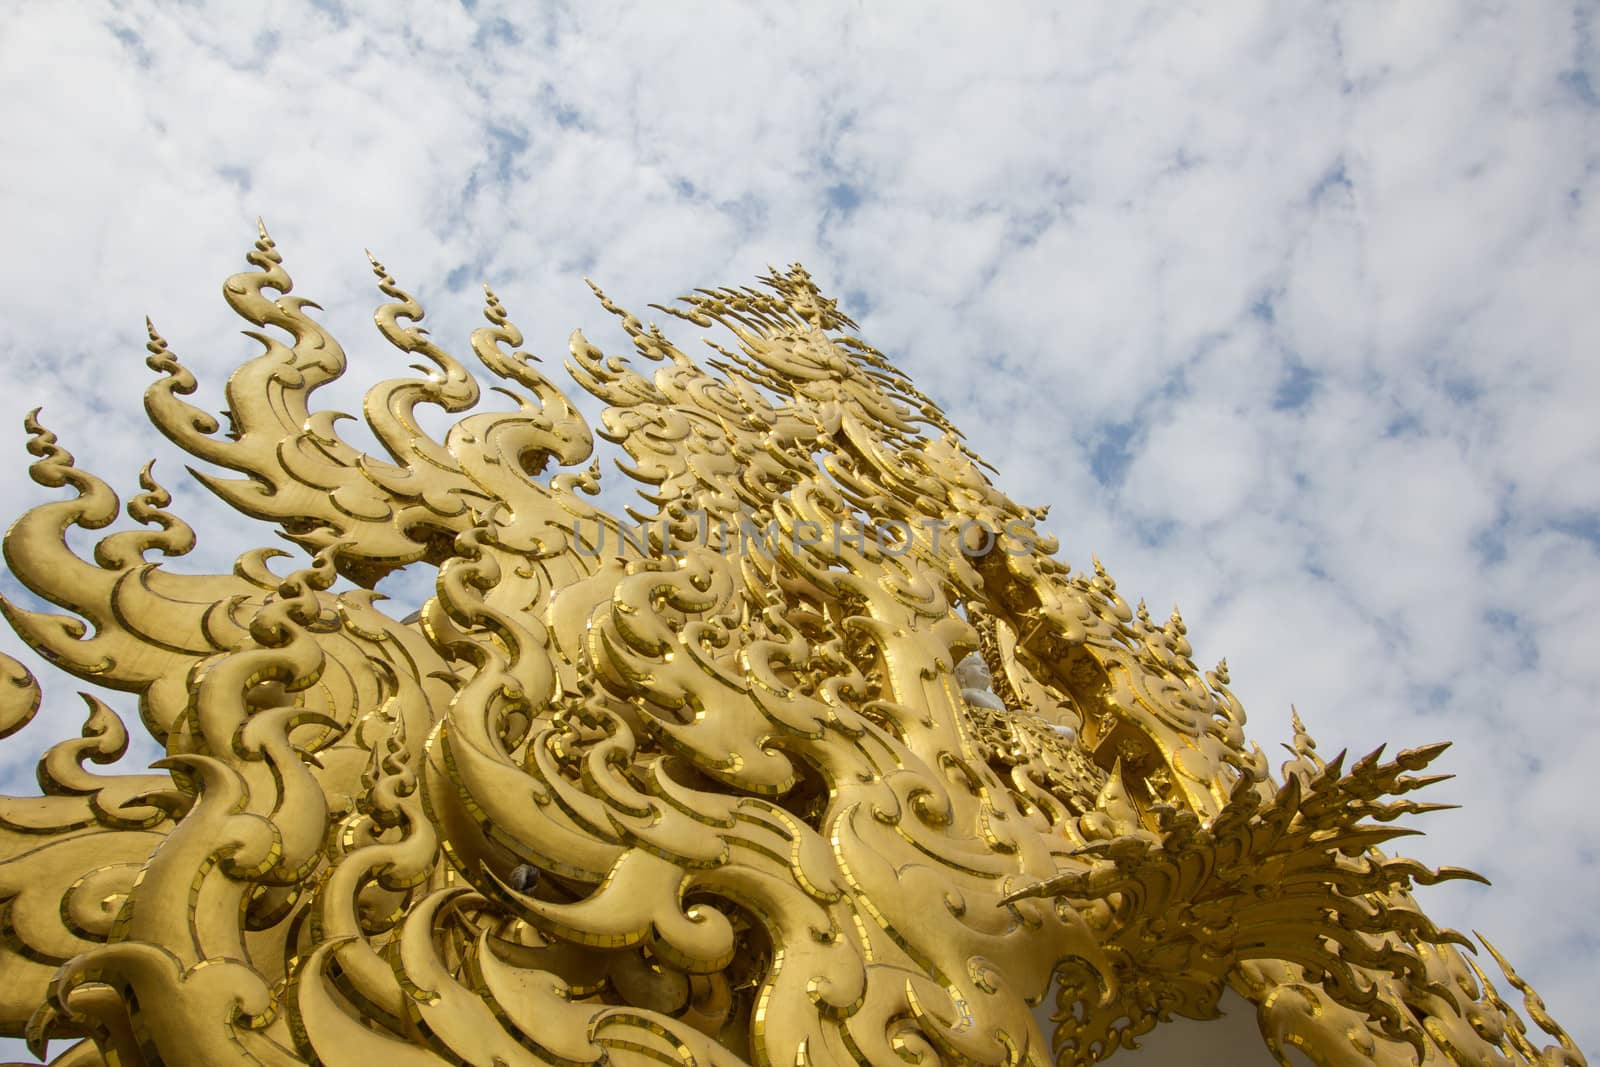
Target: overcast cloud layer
{"points": [[1287, 309]]}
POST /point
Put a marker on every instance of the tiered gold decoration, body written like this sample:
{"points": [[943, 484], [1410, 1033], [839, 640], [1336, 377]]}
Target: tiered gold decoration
{"points": [[665, 793]]}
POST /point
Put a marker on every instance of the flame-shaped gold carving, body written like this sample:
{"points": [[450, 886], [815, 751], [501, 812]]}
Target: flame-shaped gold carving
{"points": [[703, 790]]}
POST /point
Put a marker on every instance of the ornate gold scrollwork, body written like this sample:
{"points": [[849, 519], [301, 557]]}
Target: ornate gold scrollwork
{"points": [[701, 790]]}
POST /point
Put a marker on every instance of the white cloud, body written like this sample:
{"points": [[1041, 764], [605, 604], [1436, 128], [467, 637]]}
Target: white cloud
{"points": [[1199, 464], [1289, 313]]}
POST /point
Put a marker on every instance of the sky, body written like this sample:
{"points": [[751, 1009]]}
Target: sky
{"points": [[1286, 309]]}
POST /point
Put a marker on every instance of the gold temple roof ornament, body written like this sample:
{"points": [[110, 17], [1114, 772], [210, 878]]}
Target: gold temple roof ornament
{"points": [[698, 788]]}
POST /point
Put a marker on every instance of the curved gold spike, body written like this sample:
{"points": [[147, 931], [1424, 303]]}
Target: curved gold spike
{"points": [[19, 696]]}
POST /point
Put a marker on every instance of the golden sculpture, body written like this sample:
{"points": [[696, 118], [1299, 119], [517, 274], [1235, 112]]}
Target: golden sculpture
{"points": [[702, 788]]}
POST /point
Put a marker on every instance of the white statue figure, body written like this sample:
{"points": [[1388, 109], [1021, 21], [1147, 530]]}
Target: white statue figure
{"points": [[977, 689], [977, 684]]}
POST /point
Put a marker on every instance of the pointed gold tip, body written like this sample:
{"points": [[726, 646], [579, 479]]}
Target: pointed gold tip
{"points": [[382, 272], [1425, 780]]}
